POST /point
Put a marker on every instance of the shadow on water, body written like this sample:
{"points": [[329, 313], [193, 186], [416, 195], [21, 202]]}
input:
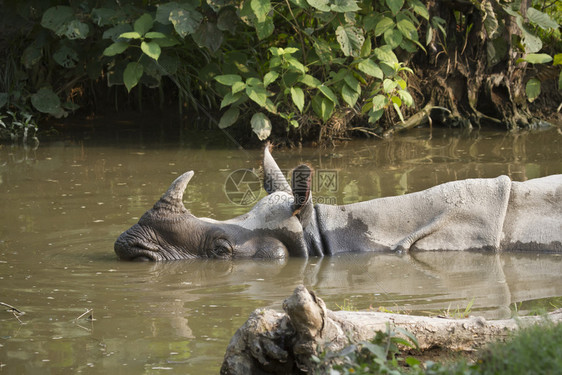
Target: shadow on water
{"points": [[64, 204]]}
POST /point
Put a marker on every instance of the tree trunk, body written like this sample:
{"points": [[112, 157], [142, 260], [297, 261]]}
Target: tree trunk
{"points": [[276, 343]]}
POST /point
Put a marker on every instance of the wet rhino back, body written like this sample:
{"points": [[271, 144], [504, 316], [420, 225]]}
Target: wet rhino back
{"points": [[534, 216]]}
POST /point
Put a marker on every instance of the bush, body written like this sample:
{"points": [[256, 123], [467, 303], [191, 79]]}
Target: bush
{"points": [[533, 350]]}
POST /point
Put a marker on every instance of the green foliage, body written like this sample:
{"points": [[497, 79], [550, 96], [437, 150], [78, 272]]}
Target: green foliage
{"points": [[17, 126], [533, 350], [320, 58], [458, 314], [531, 42], [267, 61], [378, 356]]}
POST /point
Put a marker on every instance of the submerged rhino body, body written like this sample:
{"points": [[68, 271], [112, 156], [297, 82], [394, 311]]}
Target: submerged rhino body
{"points": [[476, 214]]}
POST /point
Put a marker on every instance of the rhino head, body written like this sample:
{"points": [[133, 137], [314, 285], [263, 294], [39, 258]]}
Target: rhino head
{"points": [[273, 228]]}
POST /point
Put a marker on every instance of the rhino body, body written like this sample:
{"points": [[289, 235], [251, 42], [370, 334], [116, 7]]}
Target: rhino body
{"points": [[494, 214]]}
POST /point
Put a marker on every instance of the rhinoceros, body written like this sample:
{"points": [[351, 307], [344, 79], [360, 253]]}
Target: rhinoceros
{"points": [[486, 214]]}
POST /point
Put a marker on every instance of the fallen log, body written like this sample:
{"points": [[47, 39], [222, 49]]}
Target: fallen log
{"points": [[283, 343]]}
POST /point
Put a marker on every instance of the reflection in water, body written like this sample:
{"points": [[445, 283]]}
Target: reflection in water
{"points": [[64, 204]]}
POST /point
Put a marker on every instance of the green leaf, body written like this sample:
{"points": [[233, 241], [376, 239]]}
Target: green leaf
{"points": [[557, 59], [532, 42], [322, 5], [397, 109], [496, 50], [115, 48], [74, 30], [383, 25], [261, 125], [298, 97], [350, 39], [31, 55], [104, 16], [257, 94], [253, 81], [163, 12], [155, 35], [261, 9], [395, 5], [385, 54], [230, 98], [366, 48], [411, 361], [46, 101], [406, 97], [413, 340], [374, 116], [287, 51], [228, 79], [407, 29], [429, 36], [560, 81], [343, 6], [55, 18], [419, 8], [389, 85], [270, 106], [130, 35], [371, 68], [151, 49], [490, 21], [66, 57], [323, 107], [238, 86], [533, 89], [228, 19], [328, 93], [115, 32], [310, 81], [371, 20], [352, 82], [379, 102], [186, 20], [393, 37], [132, 75], [536, 58], [296, 64], [349, 95], [270, 77], [229, 117], [264, 29], [143, 24], [168, 41], [541, 19]]}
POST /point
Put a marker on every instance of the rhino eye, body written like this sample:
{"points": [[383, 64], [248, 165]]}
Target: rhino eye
{"points": [[221, 249]]}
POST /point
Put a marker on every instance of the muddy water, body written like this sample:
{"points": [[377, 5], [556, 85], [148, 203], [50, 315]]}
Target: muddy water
{"points": [[63, 205]]}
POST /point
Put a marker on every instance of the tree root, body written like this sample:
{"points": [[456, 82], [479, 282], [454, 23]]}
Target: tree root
{"points": [[419, 118], [276, 343]]}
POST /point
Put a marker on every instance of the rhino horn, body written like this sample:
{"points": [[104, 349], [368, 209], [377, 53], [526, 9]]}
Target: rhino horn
{"points": [[172, 200]]}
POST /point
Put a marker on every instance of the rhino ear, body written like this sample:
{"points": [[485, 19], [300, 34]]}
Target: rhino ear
{"points": [[172, 200], [301, 181], [273, 179]]}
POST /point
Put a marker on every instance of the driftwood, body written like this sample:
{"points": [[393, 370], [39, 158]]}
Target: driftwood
{"points": [[282, 343]]}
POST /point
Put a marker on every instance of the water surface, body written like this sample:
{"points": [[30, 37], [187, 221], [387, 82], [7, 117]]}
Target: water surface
{"points": [[64, 204]]}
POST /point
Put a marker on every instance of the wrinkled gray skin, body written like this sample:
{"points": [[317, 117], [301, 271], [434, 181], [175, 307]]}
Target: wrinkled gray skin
{"points": [[476, 214]]}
